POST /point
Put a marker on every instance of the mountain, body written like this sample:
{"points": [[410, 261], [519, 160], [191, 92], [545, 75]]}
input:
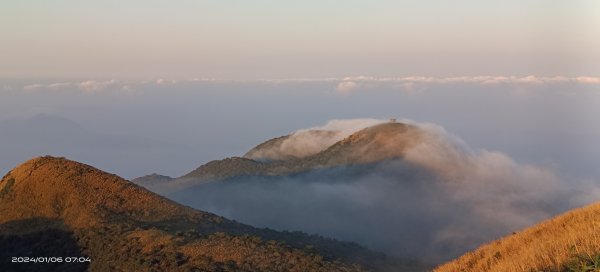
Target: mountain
{"points": [[410, 190], [279, 148], [152, 179], [280, 156], [55, 207], [569, 242]]}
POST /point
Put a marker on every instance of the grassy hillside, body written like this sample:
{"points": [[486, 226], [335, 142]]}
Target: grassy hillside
{"points": [[569, 242], [57, 207]]}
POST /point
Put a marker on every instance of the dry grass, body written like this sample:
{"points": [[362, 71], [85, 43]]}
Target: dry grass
{"points": [[549, 246], [124, 227]]}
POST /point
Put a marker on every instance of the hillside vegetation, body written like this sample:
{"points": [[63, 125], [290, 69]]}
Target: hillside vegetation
{"points": [[569, 242], [57, 207]]}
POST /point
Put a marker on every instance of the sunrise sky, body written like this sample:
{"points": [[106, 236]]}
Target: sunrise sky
{"points": [[297, 39]]}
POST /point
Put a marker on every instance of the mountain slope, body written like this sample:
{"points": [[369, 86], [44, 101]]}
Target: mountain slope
{"points": [[372, 144], [123, 227], [567, 242], [283, 148]]}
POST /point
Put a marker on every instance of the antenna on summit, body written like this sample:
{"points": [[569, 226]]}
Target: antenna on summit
{"points": [[392, 120]]}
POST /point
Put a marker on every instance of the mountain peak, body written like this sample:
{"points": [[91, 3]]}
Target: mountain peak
{"points": [[124, 227], [280, 156], [77, 193], [375, 143]]}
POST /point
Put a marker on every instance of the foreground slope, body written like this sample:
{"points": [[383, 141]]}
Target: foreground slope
{"points": [[569, 242], [57, 207]]}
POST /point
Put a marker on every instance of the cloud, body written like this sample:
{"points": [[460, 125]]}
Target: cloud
{"points": [[94, 86], [87, 86], [162, 81], [33, 87], [349, 84], [439, 200], [588, 80], [346, 86], [306, 142]]}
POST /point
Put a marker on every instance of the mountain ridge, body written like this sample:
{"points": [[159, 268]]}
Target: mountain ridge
{"points": [[122, 226], [369, 145]]}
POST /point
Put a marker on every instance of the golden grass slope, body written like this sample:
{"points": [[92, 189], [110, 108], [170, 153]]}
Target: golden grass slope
{"points": [[49, 204], [565, 243], [81, 195]]}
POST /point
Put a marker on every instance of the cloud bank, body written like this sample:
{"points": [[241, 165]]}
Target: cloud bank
{"points": [[438, 201], [349, 84], [344, 85]]}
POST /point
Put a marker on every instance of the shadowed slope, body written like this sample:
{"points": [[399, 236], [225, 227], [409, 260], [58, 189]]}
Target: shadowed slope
{"points": [[123, 227], [38, 237], [565, 243]]}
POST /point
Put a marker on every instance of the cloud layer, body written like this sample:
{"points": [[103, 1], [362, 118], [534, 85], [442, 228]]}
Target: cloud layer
{"points": [[440, 200], [341, 85], [349, 84]]}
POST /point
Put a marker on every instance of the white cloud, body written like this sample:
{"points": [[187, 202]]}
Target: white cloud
{"points": [[33, 87], [94, 86], [411, 83], [588, 80], [162, 81], [87, 86], [306, 142], [346, 86], [343, 85]]}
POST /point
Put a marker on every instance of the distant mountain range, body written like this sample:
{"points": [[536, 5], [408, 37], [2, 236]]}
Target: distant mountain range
{"points": [[54, 207]]}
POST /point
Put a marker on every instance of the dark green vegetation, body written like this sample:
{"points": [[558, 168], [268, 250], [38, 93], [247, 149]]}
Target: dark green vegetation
{"points": [[583, 263], [44, 238], [7, 186]]}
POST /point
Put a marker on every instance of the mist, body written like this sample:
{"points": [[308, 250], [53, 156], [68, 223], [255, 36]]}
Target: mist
{"points": [[306, 142], [439, 200]]}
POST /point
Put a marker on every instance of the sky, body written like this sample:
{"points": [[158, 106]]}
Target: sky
{"points": [[297, 39]]}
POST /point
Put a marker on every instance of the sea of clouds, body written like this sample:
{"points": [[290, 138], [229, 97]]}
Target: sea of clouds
{"points": [[439, 200]]}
